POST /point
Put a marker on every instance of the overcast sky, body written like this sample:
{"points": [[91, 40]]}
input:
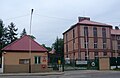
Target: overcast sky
{"points": [[52, 17]]}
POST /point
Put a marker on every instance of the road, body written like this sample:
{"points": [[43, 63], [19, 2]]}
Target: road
{"points": [[76, 74]]}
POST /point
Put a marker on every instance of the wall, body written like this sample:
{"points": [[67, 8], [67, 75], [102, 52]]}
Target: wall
{"points": [[11, 62]]}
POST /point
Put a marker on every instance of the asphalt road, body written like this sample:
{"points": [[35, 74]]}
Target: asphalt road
{"points": [[76, 74]]}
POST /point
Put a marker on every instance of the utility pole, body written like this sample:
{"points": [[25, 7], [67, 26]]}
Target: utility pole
{"points": [[30, 42], [116, 50]]}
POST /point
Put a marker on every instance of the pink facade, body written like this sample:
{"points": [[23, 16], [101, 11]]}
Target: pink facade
{"points": [[88, 39]]}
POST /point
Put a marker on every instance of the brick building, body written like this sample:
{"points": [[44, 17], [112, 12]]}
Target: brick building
{"points": [[115, 36], [89, 39], [19, 57]]}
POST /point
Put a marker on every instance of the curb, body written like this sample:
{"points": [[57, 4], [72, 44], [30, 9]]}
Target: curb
{"points": [[32, 74]]}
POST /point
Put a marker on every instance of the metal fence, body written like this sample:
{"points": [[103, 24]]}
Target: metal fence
{"points": [[114, 62], [92, 64]]}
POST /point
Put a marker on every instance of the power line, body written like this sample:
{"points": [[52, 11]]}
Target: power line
{"points": [[17, 17], [61, 18]]}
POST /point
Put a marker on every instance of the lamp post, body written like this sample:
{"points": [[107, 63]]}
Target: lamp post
{"points": [[116, 50], [30, 42]]}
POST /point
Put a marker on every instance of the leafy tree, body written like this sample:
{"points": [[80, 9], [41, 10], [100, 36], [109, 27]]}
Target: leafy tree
{"points": [[58, 45], [11, 32], [23, 33], [1, 33], [116, 27], [1, 29], [33, 37], [48, 48]]}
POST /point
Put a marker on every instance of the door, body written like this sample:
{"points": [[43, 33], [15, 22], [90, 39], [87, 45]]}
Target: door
{"points": [[1, 64]]}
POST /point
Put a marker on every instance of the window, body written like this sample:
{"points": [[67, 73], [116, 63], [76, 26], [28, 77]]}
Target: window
{"points": [[86, 44], [96, 54], [118, 54], [95, 45], [37, 59], [104, 45], [95, 32], [66, 37], [104, 32], [104, 53], [118, 44], [23, 61], [67, 48], [118, 37], [86, 31], [73, 33]]}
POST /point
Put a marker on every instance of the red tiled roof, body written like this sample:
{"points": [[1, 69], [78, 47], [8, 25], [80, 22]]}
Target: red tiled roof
{"points": [[117, 32], [22, 44], [88, 22]]}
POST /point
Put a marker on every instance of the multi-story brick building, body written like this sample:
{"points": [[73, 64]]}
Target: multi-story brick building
{"points": [[115, 37], [88, 39]]}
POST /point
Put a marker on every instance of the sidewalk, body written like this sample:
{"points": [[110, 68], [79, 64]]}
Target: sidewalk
{"points": [[31, 74]]}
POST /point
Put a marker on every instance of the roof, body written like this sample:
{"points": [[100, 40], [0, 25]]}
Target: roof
{"points": [[115, 32], [89, 23], [23, 43]]}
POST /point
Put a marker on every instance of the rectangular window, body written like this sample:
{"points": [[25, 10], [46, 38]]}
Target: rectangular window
{"points": [[86, 44], [118, 54], [86, 31], [23, 61], [86, 37], [118, 37], [105, 53], [118, 44], [96, 53], [104, 45], [95, 45], [37, 59], [95, 32], [66, 37], [104, 33], [66, 49], [104, 40], [73, 34], [104, 37]]}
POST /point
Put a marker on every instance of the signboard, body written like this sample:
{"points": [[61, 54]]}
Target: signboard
{"points": [[93, 64], [67, 60], [81, 62], [44, 59]]}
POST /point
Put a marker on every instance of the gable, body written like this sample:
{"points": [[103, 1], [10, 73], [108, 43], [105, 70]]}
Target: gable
{"points": [[23, 44]]}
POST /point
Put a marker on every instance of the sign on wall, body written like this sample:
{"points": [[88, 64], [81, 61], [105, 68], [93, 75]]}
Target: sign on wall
{"points": [[81, 62], [44, 59]]}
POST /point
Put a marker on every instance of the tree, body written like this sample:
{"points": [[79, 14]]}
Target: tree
{"points": [[48, 48], [1, 29], [23, 33], [11, 32], [116, 27], [58, 45], [1, 33]]}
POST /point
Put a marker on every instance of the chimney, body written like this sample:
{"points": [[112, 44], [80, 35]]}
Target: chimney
{"points": [[83, 18]]}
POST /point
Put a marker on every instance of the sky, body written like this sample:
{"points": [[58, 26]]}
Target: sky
{"points": [[53, 17]]}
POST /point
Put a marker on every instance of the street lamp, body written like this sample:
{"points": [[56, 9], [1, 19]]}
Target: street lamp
{"points": [[30, 42], [116, 50]]}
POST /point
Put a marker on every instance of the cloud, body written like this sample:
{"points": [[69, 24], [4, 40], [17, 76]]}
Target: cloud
{"points": [[52, 17]]}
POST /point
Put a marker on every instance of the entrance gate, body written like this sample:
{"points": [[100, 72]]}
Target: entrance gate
{"points": [[92, 64], [114, 62]]}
